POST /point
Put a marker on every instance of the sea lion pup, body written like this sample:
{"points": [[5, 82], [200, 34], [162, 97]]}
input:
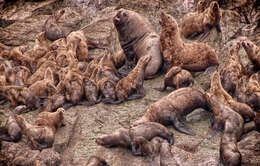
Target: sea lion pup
{"points": [[202, 22], [192, 56], [51, 28], [82, 46], [138, 38], [253, 52], [107, 89], [177, 78], [91, 92], [96, 161], [217, 90], [232, 70], [233, 124], [53, 120], [132, 83], [172, 108], [13, 131], [40, 137], [123, 137], [142, 147]]}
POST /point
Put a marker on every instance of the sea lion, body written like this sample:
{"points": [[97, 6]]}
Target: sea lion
{"points": [[53, 120], [107, 88], [217, 90], [13, 130], [177, 78], [40, 137], [202, 22], [233, 124], [82, 46], [91, 92], [51, 28], [253, 52], [132, 83], [172, 108], [232, 70], [123, 137], [142, 147], [138, 38], [192, 56], [96, 161]]}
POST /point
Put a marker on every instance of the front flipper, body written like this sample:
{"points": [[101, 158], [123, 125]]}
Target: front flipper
{"points": [[135, 97], [110, 101], [218, 28], [181, 127], [206, 32], [192, 36]]}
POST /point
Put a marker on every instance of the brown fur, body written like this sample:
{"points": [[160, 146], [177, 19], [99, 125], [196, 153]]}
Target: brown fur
{"points": [[52, 30], [172, 108], [233, 124], [123, 137], [203, 21], [138, 38], [91, 92], [96, 161], [134, 80], [53, 120], [217, 90], [13, 130], [40, 137], [82, 46], [177, 78], [232, 71], [191, 56], [119, 59], [253, 52]]}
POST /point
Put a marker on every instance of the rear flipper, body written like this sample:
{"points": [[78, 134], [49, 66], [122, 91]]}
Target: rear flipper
{"points": [[181, 127]]}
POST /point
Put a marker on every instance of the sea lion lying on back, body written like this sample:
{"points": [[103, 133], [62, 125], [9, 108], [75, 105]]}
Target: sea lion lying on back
{"points": [[124, 137], [177, 78], [132, 83], [233, 125], [172, 108], [192, 56], [202, 22], [253, 52], [138, 38]]}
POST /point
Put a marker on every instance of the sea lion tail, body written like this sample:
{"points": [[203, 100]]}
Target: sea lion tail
{"points": [[181, 127]]}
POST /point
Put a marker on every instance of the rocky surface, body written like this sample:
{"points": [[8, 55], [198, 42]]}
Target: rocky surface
{"points": [[75, 142]]}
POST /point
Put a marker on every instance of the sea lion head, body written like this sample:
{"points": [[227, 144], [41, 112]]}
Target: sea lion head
{"points": [[121, 18], [214, 6], [61, 118], [248, 46], [168, 22]]}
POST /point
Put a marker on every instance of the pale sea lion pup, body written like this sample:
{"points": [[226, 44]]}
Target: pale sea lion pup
{"points": [[192, 56], [138, 38]]}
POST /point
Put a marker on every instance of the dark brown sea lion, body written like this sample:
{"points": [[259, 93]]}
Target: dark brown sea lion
{"points": [[138, 38], [253, 52], [202, 22], [13, 130], [192, 56], [52, 30], [232, 70], [96, 161], [172, 108], [40, 137], [53, 120], [217, 90], [142, 147], [233, 124], [123, 137], [91, 92], [177, 78], [132, 83]]}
